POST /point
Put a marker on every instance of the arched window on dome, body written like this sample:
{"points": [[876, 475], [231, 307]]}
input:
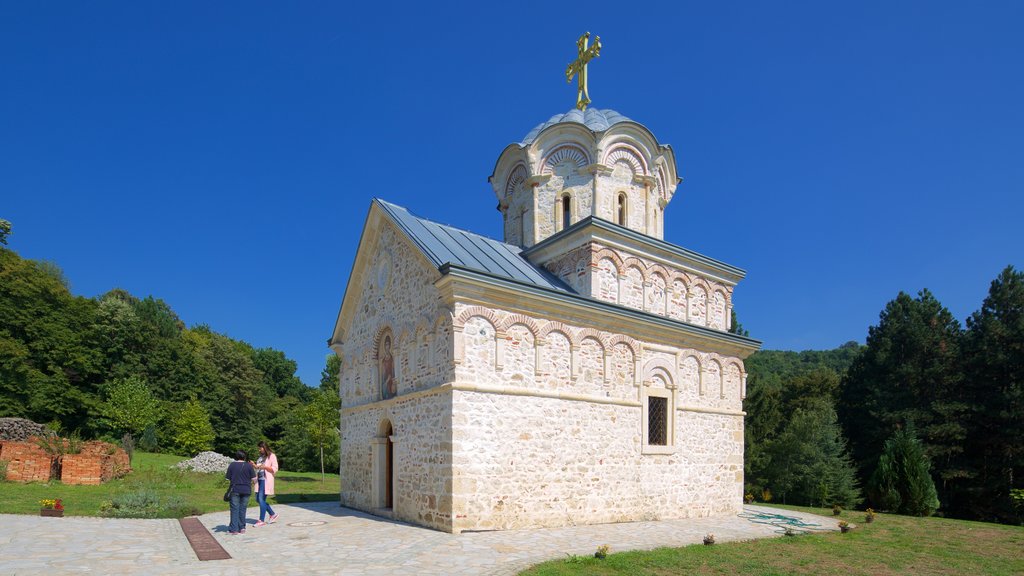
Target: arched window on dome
{"points": [[620, 209]]}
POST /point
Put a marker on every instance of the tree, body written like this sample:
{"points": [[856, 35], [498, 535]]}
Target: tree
{"points": [[994, 369], [735, 327], [902, 482], [329, 375], [192, 430], [5, 231], [130, 406], [808, 462], [909, 371], [322, 421]]}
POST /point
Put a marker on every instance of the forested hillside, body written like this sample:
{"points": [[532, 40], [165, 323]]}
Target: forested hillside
{"points": [[119, 364], [927, 416]]}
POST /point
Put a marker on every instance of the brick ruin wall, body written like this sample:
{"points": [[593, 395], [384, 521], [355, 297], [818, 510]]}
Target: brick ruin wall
{"points": [[97, 462]]}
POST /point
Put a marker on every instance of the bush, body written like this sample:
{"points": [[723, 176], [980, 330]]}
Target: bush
{"points": [[144, 503], [902, 482], [3, 470]]}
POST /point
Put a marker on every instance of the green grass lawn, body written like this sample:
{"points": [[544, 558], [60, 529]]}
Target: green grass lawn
{"points": [[888, 546], [187, 492]]}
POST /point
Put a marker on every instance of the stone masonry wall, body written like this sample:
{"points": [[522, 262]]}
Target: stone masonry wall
{"points": [[548, 419], [397, 295], [422, 458], [523, 462]]}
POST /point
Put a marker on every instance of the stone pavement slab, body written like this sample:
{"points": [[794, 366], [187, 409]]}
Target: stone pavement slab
{"points": [[323, 538]]}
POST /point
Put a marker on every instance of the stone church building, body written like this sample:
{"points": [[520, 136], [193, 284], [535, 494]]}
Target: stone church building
{"points": [[580, 371]]}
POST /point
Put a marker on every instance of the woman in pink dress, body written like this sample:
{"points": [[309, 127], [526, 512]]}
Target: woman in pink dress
{"points": [[266, 468]]}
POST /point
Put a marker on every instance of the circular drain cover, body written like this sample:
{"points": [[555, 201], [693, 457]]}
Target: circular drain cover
{"points": [[306, 524]]}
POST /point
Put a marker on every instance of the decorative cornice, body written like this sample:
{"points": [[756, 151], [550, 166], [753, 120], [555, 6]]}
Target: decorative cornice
{"points": [[577, 232], [575, 306], [519, 391]]}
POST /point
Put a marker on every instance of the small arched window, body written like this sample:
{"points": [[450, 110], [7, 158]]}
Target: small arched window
{"points": [[620, 212], [566, 211]]}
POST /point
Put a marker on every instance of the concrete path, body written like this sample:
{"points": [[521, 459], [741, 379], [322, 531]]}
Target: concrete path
{"points": [[322, 538]]}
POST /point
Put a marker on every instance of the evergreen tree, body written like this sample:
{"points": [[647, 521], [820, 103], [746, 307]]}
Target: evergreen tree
{"points": [[808, 461], [735, 327], [329, 375], [994, 360], [908, 371], [901, 481]]}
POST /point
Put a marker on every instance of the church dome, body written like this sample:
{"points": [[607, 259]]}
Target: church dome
{"points": [[594, 119]]}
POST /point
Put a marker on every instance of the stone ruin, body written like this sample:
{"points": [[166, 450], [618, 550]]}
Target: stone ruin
{"points": [[20, 429]]}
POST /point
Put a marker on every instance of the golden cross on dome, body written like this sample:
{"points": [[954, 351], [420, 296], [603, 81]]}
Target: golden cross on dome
{"points": [[579, 68]]}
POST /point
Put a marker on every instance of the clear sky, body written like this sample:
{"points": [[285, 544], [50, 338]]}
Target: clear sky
{"points": [[222, 155]]}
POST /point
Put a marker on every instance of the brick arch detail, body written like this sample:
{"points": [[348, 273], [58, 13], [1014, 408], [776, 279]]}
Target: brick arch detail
{"points": [[633, 262], [630, 343], [611, 255], [591, 333], [513, 319], [555, 326], [485, 313]]}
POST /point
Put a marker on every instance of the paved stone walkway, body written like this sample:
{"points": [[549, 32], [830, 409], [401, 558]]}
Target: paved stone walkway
{"points": [[333, 540]]}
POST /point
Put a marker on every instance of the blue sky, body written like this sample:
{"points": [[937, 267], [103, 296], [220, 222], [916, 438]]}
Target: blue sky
{"points": [[222, 156]]}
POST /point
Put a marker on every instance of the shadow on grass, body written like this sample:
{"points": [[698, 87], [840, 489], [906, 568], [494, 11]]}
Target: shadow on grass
{"points": [[296, 498], [290, 478]]}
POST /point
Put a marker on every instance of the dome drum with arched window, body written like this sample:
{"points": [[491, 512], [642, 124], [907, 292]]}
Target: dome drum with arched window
{"points": [[596, 163]]}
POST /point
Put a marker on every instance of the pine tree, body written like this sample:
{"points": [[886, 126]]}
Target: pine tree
{"points": [[994, 360], [909, 371], [902, 482]]}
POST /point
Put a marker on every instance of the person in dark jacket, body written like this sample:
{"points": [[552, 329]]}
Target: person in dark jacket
{"points": [[240, 474]]}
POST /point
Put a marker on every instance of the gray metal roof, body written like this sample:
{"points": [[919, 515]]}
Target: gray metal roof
{"points": [[596, 120], [446, 245]]}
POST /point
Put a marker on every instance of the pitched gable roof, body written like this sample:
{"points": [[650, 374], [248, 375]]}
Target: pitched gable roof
{"points": [[443, 245]]}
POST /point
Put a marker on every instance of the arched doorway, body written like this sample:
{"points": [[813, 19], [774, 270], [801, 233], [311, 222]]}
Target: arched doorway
{"points": [[383, 481]]}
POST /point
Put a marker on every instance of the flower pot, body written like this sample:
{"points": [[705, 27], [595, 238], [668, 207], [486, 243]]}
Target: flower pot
{"points": [[844, 529], [51, 512]]}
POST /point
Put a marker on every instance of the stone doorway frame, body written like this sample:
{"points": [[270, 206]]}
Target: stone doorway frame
{"points": [[383, 455]]}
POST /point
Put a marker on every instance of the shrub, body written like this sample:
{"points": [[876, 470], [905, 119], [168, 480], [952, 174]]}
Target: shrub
{"points": [[3, 470], [145, 503], [902, 482]]}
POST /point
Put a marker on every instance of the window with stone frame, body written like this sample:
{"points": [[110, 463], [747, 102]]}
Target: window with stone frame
{"points": [[657, 421], [658, 405]]}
